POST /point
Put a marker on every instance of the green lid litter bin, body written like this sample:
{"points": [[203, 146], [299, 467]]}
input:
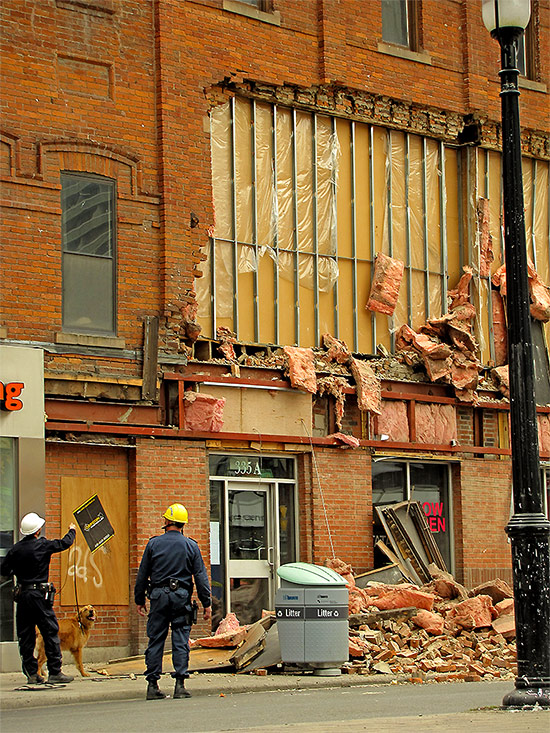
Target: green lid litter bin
{"points": [[311, 607]]}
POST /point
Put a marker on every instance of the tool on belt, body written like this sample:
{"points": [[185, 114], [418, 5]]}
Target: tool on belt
{"points": [[48, 589], [195, 613]]}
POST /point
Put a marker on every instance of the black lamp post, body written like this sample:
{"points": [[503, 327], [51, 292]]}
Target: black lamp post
{"points": [[528, 529]]}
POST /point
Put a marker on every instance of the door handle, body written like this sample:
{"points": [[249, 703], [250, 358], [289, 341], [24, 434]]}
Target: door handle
{"points": [[270, 552]]}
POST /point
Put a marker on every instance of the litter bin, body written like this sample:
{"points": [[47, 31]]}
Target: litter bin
{"points": [[311, 607]]}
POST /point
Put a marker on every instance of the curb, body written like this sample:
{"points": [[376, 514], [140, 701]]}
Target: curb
{"points": [[102, 689]]}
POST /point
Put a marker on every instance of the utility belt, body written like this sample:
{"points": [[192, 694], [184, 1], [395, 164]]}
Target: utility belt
{"points": [[48, 589], [171, 584], [175, 584]]}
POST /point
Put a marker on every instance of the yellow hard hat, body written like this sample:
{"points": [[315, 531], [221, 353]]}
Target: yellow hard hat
{"points": [[176, 513]]}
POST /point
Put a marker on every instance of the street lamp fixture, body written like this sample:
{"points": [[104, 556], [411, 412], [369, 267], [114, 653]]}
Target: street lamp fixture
{"points": [[528, 529]]}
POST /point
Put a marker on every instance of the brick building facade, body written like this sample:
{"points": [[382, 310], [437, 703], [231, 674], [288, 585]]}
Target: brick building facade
{"points": [[188, 186]]}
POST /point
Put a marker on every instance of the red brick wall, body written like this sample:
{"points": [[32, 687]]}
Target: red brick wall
{"points": [[121, 89], [480, 516], [165, 472], [340, 482], [62, 460]]}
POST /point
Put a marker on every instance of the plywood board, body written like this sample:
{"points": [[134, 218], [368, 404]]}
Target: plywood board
{"points": [[274, 412], [102, 578]]}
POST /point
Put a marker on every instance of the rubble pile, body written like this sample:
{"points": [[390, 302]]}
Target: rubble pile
{"points": [[437, 628]]}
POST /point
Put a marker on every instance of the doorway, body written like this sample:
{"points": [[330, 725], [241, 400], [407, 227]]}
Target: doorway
{"points": [[252, 532]]}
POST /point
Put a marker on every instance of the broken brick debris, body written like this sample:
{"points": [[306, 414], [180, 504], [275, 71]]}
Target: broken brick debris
{"points": [[497, 589], [336, 350], [539, 292], [368, 386], [540, 295], [301, 368], [501, 377], [461, 294], [460, 637], [388, 273], [202, 412], [227, 338]]}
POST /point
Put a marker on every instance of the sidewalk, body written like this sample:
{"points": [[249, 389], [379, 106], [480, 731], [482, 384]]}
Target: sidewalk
{"points": [[13, 694]]}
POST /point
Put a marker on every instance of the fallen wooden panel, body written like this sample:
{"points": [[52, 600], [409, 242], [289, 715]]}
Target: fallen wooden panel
{"points": [[407, 528], [390, 574], [400, 561], [202, 659], [271, 654], [253, 643]]}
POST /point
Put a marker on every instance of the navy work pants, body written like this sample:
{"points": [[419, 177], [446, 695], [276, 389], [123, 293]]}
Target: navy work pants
{"points": [[34, 610], [169, 608]]}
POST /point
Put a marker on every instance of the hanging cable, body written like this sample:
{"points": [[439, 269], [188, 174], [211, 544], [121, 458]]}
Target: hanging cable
{"points": [[320, 488]]}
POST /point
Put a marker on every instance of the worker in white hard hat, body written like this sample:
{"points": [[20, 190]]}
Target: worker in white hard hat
{"points": [[29, 560], [168, 567]]}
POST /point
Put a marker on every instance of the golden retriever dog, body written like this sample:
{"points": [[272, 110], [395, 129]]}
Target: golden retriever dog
{"points": [[73, 637]]}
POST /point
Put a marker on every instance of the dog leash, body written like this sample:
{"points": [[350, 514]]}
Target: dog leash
{"points": [[76, 595]]}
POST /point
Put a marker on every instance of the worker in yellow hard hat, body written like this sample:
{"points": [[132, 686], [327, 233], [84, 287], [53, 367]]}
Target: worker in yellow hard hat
{"points": [[168, 567]]}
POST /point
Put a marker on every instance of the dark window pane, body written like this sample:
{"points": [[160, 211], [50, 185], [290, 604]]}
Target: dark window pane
{"points": [[287, 537], [429, 486], [388, 482], [395, 27], [87, 206], [88, 301]]}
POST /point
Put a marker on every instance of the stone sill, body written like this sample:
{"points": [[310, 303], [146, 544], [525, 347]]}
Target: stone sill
{"points": [[234, 6], [405, 53], [80, 339], [535, 86]]}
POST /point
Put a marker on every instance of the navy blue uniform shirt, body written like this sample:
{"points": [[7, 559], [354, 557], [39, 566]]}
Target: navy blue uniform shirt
{"points": [[29, 559], [172, 555]]}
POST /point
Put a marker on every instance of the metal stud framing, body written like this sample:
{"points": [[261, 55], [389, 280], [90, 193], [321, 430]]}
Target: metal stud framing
{"points": [[234, 222], [255, 224], [276, 226], [315, 233], [295, 232], [354, 241], [372, 228], [334, 239]]}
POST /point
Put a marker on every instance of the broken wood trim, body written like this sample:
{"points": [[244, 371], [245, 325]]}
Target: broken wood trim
{"points": [[150, 357], [411, 416]]}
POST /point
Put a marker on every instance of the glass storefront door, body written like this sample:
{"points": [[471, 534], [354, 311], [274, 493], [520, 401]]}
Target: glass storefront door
{"points": [[252, 532], [251, 556]]}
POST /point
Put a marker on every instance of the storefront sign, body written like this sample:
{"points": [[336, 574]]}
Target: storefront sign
{"points": [[9, 394], [93, 522]]}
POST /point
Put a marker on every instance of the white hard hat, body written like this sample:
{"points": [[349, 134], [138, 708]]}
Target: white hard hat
{"points": [[31, 523]]}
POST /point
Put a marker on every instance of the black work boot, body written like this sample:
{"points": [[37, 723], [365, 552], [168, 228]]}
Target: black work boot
{"points": [[59, 679], [153, 692], [35, 679], [179, 689]]}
